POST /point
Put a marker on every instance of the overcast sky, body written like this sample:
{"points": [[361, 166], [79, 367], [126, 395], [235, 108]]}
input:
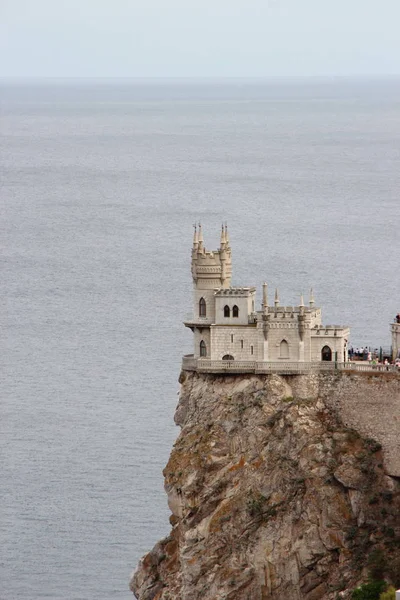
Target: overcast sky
{"points": [[198, 38]]}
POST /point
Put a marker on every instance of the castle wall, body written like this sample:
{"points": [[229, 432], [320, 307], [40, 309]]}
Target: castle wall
{"points": [[396, 340], [279, 332], [335, 343], [221, 342], [204, 335], [208, 296], [242, 302]]}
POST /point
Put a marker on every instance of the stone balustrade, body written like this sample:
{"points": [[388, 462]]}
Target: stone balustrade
{"points": [[204, 365]]}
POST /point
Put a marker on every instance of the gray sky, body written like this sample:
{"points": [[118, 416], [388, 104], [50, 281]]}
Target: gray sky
{"points": [[198, 38]]}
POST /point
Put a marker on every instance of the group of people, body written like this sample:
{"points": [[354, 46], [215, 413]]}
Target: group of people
{"points": [[362, 353], [372, 356]]}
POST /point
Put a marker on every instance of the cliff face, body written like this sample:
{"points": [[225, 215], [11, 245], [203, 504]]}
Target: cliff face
{"points": [[272, 496]]}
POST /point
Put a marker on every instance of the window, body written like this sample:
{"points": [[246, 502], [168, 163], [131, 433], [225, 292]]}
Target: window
{"points": [[227, 311], [228, 357], [202, 308], [241, 344], [203, 349], [231, 338], [326, 353], [284, 349], [251, 349], [235, 311]]}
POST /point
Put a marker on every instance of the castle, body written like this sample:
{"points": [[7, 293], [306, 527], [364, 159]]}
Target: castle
{"points": [[227, 326]]}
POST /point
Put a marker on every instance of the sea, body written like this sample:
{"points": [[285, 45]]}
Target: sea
{"points": [[101, 183]]}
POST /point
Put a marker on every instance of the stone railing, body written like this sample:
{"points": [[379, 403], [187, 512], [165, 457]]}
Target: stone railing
{"points": [[204, 365]]}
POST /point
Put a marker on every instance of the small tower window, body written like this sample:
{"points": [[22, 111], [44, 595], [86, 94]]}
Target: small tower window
{"points": [[227, 311], [284, 349], [203, 349], [235, 311], [202, 308], [241, 344], [251, 349], [231, 338]]}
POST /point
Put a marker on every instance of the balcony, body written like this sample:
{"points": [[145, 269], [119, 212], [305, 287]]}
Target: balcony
{"points": [[192, 320]]}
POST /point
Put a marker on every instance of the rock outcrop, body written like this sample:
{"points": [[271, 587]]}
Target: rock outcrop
{"points": [[272, 495]]}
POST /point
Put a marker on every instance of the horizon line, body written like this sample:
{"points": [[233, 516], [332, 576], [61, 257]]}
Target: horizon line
{"points": [[194, 78]]}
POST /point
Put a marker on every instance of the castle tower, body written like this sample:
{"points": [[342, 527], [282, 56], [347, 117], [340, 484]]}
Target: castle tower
{"points": [[211, 270], [396, 337]]}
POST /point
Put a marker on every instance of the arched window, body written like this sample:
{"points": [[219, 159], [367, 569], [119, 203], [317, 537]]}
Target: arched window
{"points": [[202, 308], [203, 349], [228, 357], [235, 311], [284, 349], [227, 311], [326, 353]]}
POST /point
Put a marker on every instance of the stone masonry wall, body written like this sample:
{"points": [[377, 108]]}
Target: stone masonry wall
{"points": [[366, 402], [371, 405], [221, 342]]}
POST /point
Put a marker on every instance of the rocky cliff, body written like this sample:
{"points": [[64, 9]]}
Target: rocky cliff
{"points": [[276, 490]]}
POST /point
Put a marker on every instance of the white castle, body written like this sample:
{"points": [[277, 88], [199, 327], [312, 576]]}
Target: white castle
{"points": [[227, 326]]}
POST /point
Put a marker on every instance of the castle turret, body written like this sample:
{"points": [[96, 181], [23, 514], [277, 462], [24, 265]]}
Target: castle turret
{"points": [[396, 337], [223, 237], [276, 302], [211, 270], [227, 236], [200, 239], [265, 299], [301, 319]]}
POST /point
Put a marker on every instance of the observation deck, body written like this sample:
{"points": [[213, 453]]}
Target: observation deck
{"points": [[204, 365]]}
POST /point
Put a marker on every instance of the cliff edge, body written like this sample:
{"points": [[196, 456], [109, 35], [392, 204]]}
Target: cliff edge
{"points": [[280, 488]]}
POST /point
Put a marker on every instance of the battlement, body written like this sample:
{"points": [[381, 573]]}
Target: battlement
{"points": [[242, 292], [288, 310]]}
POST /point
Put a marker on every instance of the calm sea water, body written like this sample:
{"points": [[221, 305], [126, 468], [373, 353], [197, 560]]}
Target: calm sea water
{"points": [[100, 186]]}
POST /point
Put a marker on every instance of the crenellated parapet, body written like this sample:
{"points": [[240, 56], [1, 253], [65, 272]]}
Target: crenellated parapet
{"points": [[211, 268]]}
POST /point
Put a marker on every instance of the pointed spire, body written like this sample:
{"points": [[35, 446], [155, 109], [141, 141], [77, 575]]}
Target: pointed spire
{"points": [[226, 234], [195, 237], [200, 237], [301, 300], [312, 301], [276, 297], [265, 297], [223, 238]]}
